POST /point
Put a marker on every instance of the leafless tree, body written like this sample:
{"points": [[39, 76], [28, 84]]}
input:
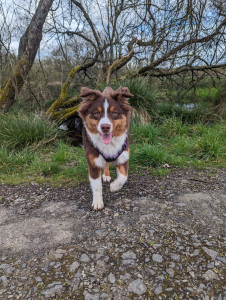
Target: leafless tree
{"points": [[29, 44]]}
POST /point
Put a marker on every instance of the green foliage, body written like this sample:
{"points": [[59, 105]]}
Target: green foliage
{"points": [[144, 98], [149, 155], [143, 133], [19, 130], [177, 144], [13, 161]]}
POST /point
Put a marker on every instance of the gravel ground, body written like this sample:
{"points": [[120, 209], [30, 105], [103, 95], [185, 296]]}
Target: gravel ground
{"points": [[158, 238]]}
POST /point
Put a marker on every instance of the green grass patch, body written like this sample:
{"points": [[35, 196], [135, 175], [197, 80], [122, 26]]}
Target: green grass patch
{"points": [[19, 130], [42, 155]]}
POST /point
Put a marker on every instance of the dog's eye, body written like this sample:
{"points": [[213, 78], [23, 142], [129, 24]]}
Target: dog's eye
{"points": [[97, 114], [115, 114]]}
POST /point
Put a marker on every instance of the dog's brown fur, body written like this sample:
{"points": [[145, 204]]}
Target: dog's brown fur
{"points": [[96, 107]]}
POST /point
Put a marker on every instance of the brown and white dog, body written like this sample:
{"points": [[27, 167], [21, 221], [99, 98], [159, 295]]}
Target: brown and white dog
{"points": [[105, 137]]}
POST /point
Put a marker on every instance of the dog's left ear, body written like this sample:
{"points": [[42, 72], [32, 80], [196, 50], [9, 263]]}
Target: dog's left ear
{"points": [[122, 95], [88, 96]]}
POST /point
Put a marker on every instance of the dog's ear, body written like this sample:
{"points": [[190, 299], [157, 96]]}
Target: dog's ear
{"points": [[88, 97], [89, 94], [122, 95]]}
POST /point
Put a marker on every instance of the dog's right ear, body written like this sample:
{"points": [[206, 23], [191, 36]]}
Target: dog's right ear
{"points": [[89, 94], [88, 97]]}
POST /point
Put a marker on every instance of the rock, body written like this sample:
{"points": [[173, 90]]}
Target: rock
{"points": [[104, 296], [222, 259], [38, 279], [156, 246], [57, 265], [111, 278], [4, 266], [4, 280], [137, 287], [212, 253], [74, 266], [53, 289], [84, 258], [75, 284], [88, 296], [129, 255], [210, 275], [128, 262], [158, 290], [157, 258], [175, 257], [170, 271]]}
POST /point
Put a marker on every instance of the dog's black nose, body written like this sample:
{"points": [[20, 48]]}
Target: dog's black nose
{"points": [[105, 127]]}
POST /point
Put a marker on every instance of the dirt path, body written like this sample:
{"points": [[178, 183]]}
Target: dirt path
{"points": [[159, 238]]}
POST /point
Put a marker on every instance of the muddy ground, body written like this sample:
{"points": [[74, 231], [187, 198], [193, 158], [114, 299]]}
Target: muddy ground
{"points": [[158, 238]]}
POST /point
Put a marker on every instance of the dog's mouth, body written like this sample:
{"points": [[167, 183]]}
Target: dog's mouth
{"points": [[106, 137]]}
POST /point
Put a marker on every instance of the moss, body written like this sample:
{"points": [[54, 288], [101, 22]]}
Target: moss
{"points": [[64, 92], [7, 93], [62, 115], [71, 101]]}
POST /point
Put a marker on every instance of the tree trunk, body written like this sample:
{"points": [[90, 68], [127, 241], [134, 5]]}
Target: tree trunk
{"points": [[29, 44]]}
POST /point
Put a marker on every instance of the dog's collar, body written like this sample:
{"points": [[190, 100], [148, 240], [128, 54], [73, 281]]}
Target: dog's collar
{"points": [[112, 158]]}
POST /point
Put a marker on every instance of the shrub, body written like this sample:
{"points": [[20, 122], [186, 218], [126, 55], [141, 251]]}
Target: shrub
{"points": [[144, 98], [149, 156], [18, 130], [143, 133]]}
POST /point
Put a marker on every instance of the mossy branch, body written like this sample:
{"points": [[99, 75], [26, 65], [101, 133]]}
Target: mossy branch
{"points": [[60, 102], [120, 62], [7, 93], [64, 114]]}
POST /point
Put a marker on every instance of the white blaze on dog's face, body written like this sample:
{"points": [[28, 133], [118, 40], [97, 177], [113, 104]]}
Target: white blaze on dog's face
{"points": [[106, 114]]}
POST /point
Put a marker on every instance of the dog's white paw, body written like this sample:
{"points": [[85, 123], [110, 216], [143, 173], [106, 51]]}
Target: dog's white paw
{"points": [[115, 186], [98, 205], [106, 178]]}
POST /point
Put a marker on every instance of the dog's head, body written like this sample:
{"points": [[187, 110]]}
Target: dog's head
{"points": [[105, 113]]}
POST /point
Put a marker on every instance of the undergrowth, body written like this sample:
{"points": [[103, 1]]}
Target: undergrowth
{"points": [[33, 149]]}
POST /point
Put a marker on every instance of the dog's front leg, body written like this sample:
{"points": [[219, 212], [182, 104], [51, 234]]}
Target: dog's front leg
{"points": [[96, 186], [122, 175]]}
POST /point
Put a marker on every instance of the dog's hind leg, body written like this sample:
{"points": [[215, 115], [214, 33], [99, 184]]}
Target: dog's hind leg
{"points": [[106, 176], [122, 175]]}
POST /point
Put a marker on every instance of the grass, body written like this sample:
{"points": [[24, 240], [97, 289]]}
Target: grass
{"points": [[32, 149], [19, 130]]}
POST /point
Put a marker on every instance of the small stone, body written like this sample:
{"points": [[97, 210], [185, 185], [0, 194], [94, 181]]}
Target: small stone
{"points": [[74, 266], [157, 258], [52, 289], [4, 280], [158, 290], [111, 278], [129, 255], [180, 204], [156, 246], [212, 253], [58, 255], [88, 296], [170, 271], [84, 258], [222, 259], [175, 257], [38, 279], [184, 181], [192, 274], [210, 275], [57, 265], [128, 262], [137, 287], [4, 266]]}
